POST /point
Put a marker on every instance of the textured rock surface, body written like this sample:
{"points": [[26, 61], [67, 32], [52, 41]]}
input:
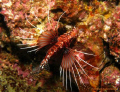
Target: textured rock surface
{"points": [[23, 21]]}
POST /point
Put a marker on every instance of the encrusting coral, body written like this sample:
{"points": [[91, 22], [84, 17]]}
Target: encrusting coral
{"points": [[98, 23], [16, 77]]}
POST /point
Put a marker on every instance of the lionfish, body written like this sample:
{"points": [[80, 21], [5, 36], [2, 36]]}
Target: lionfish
{"points": [[72, 59]]}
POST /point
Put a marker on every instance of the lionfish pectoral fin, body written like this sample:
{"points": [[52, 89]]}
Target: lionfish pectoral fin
{"points": [[66, 68], [47, 37], [80, 52], [79, 57], [71, 62], [75, 68]]}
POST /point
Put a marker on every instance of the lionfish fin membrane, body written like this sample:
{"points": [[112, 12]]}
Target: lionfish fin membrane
{"points": [[47, 37], [72, 62]]}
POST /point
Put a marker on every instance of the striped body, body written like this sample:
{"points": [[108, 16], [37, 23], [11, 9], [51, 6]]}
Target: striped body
{"points": [[72, 60], [63, 41]]}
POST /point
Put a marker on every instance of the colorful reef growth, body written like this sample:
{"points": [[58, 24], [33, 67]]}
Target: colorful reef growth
{"points": [[59, 46]]}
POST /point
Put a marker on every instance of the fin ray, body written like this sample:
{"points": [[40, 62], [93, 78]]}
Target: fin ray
{"points": [[46, 38]]}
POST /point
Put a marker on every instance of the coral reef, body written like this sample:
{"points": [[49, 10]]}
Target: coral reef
{"points": [[110, 78], [22, 22], [16, 77]]}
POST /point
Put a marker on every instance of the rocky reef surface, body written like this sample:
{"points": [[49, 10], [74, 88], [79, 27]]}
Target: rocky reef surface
{"points": [[23, 21]]}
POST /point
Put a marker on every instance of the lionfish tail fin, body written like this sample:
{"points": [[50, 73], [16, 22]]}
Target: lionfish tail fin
{"points": [[68, 67]]}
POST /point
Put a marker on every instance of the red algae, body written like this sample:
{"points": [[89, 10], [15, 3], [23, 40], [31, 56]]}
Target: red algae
{"points": [[110, 78], [26, 21]]}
